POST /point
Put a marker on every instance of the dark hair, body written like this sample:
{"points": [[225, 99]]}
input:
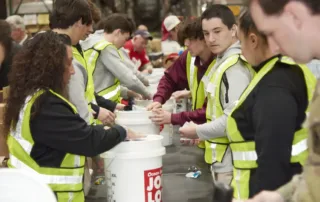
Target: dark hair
{"points": [[220, 11], [275, 7], [5, 36], [66, 13], [190, 29], [133, 24], [117, 21], [95, 11], [40, 64], [247, 25]]}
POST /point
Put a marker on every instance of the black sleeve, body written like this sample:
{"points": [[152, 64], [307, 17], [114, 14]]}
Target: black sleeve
{"points": [[96, 109], [274, 121], [56, 126], [105, 103]]}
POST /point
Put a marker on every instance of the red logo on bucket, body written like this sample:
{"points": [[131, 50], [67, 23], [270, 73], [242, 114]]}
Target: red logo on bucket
{"points": [[152, 185], [161, 127]]}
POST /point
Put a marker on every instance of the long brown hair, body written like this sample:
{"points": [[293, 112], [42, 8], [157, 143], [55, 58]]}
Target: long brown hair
{"points": [[40, 64]]}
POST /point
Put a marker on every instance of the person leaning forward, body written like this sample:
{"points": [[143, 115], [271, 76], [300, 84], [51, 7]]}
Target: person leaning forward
{"points": [[45, 134]]}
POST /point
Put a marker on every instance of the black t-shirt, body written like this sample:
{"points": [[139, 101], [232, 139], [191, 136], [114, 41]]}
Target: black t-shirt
{"points": [[56, 130], [270, 115], [5, 67]]}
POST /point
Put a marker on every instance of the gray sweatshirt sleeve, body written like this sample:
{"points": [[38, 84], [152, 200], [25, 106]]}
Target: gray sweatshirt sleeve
{"points": [[77, 86], [130, 65], [117, 67], [124, 92], [141, 77], [238, 77]]}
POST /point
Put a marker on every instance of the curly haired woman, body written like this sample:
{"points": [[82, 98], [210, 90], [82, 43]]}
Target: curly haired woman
{"points": [[45, 134]]}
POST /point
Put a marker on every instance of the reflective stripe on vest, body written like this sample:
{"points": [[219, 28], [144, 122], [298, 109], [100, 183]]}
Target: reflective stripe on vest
{"points": [[216, 148], [89, 91], [68, 178], [244, 152], [111, 92]]}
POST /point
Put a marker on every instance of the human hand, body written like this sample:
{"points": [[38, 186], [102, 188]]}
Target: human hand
{"points": [[120, 107], [154, 105], [138, 97], [181, 94], [150, 70], [189, 131], [132, 135], [267, 196], [189, 142], [149, 97], [106, 116], [161, 116]]}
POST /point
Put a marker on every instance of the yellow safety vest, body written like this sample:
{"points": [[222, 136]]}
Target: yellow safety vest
{"points": [[198, 93], [244, 153], [66, 180], [111, 92], [216, 148], [197, 89], [89, 91]]}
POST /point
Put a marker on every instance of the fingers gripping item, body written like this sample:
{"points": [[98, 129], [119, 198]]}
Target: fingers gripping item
{"points": [[188, 141]]}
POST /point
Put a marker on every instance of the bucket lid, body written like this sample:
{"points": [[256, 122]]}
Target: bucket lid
{"points": [[134, 155]]}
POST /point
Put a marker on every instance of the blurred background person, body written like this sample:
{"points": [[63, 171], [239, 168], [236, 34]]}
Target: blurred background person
{"points": [[18, 29], [169, 31], [136, 49], [8, 48]]}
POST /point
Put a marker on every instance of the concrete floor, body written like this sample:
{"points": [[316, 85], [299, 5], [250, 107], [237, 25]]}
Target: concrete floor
{"points": [[176, 187]]}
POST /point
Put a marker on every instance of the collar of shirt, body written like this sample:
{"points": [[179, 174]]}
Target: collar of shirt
{"points": [[262, 64], [203, 64], [24, 39]]}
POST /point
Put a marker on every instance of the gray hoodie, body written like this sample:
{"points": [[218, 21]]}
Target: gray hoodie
{"points": [[110, 66], [77, 87], [130, 64], [238, 77]]}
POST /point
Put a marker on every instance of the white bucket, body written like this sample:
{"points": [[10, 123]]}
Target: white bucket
{"points": [[137, 121], [167, 131], [152, 88], [133, 170], [142, 103], [156, 75], [17, 185]]}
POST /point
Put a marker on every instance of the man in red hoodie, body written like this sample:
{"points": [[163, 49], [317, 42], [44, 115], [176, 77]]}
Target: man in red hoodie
{"points": [[191, 72]]}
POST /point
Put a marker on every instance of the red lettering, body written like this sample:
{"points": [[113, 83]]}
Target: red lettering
{"points": [[153, 185]]}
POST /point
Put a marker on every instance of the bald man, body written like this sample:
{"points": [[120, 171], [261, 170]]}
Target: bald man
{"points": [[142, 28]]}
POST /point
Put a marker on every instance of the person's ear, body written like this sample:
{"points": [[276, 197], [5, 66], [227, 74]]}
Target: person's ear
{"points": [[234, 30], [297, 12], [253, 40]]}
